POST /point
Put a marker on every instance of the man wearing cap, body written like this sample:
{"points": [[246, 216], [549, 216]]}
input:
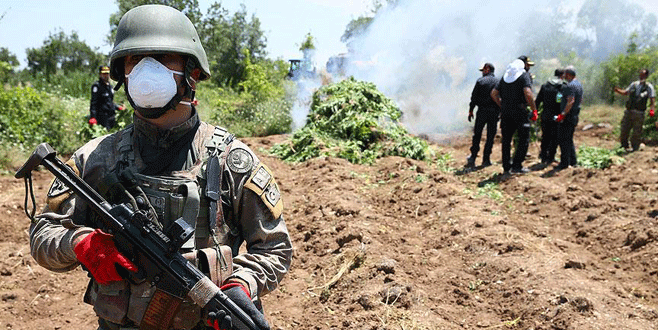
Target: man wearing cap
{"points": [[572, 95], [488, 113], [102, 107], [527, 63], [513, 94], [170, 166]]}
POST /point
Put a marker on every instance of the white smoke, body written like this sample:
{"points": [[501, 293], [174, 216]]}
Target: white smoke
{"points": [[425, 54]]}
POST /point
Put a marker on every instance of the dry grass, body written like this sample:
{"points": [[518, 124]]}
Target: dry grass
{"points": [[602, 113]]}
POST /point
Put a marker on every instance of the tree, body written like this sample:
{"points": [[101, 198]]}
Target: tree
{"points": [[63, 52], [189, 7], [8, 62], [228, 39]]}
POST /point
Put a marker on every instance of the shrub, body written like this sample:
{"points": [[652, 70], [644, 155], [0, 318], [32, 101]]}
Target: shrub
{"points": [[599, 158]]}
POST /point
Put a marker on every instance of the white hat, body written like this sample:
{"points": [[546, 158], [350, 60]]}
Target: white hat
{"points": [[514, 71]]}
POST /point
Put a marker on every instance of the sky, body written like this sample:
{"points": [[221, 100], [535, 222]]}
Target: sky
{"points": [[27, 23]]}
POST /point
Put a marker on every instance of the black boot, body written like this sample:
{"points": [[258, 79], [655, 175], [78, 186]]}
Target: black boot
{"points": [[470, 161], [486, 162]]}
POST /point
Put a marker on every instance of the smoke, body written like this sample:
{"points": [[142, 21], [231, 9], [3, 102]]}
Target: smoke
{"points": [[425, 54]]}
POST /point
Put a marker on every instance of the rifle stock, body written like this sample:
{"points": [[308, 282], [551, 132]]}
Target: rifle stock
{"points": [[155, 253]]}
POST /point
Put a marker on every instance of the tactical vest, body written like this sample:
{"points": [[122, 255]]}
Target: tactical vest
{"points": [[638, 95], [193, 194]]}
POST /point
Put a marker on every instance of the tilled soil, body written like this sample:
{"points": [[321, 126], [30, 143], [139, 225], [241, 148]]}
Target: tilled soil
{"points": [[404, 244]]}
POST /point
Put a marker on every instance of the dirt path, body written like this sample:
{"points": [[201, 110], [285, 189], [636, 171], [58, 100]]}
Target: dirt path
{"points": [[404, 245]]}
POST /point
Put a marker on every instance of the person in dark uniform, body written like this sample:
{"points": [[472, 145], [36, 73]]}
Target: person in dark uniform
{"points": [[102, 108], [527, 63], [488, 113], [513, 94], [550, 95], [567, 120]]}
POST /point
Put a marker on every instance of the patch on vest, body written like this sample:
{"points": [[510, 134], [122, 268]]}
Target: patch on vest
{"points": [[57, 188], [94, 89], [272, 193], [261, 178], [239, 160], [262, 183]]}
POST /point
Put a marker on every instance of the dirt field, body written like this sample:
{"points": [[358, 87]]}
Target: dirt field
{"points": [[405, 245]]}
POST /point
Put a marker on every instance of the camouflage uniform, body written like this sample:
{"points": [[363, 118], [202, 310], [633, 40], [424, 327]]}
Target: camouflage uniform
{"points": [[251, 212]]}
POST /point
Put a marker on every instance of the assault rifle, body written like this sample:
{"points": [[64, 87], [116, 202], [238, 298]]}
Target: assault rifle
{"points": [[155, 252]]}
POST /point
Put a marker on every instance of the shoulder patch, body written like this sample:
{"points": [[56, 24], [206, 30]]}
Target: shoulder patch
{"points": [[94, 89], [58, 191], [239, 160], [262, 183], [57, 188]]}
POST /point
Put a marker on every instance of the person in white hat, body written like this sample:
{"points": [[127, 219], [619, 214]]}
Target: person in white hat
{"points": [[513, 94]]}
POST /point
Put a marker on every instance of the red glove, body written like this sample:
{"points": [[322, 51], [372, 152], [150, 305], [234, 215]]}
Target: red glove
{"points": [[195, 102], [92, 121], [470, 115], [559, 118], [121, 108], [534, 116], [651, 113], [99, 254]]}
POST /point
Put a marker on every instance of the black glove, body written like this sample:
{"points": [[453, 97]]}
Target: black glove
{"points": [[470, 116], [238, 294]]}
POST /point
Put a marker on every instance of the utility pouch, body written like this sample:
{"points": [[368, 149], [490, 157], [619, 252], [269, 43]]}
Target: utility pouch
{"points": [[110, 301], [216, 263], [172, 198]]}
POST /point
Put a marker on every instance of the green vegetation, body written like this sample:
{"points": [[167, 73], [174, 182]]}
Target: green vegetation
{"points": [[599, 158], [352, 120]]}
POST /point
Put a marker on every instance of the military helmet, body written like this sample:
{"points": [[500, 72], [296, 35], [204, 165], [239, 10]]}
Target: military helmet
{"points": [[156, 29]]}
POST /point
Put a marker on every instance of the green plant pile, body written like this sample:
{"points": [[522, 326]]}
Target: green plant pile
{"points": [[352, 120], [599, 158]]}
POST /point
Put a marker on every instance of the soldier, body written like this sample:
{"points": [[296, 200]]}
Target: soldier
{"points": [[102, 108], [639, 92], [179, 167], [550, 95], [487, 114], [512, 94]]}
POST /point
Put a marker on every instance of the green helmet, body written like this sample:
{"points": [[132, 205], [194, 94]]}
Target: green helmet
{"points": [[156, 29]]}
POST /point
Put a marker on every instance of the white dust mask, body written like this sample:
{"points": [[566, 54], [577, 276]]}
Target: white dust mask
{"points": [[151, 84]]}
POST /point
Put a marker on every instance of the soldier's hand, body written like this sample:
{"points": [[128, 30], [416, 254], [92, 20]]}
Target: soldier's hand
{"points": [[651, 113], [470, 116], [239, 294], [121, 108], [99, 255], [92, 121], [534, 116]]}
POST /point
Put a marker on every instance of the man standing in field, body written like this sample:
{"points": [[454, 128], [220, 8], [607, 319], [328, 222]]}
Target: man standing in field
{"points": [[488, 113], [572, 95], [102, 108], [550, 95], [638, 93], [513, 94], [173, 167]]}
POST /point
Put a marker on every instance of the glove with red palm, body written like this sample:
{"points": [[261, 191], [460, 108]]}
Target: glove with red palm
{"points": [[652, 113], [559, 118], [100, 256], [534, 116], [93, 121]]}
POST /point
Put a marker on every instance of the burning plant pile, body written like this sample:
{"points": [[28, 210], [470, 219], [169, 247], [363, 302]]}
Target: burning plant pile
{"points": [[352, 120]]}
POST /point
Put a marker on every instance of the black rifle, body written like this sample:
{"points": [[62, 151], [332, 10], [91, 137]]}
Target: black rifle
{"points": [[156, 253]]}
